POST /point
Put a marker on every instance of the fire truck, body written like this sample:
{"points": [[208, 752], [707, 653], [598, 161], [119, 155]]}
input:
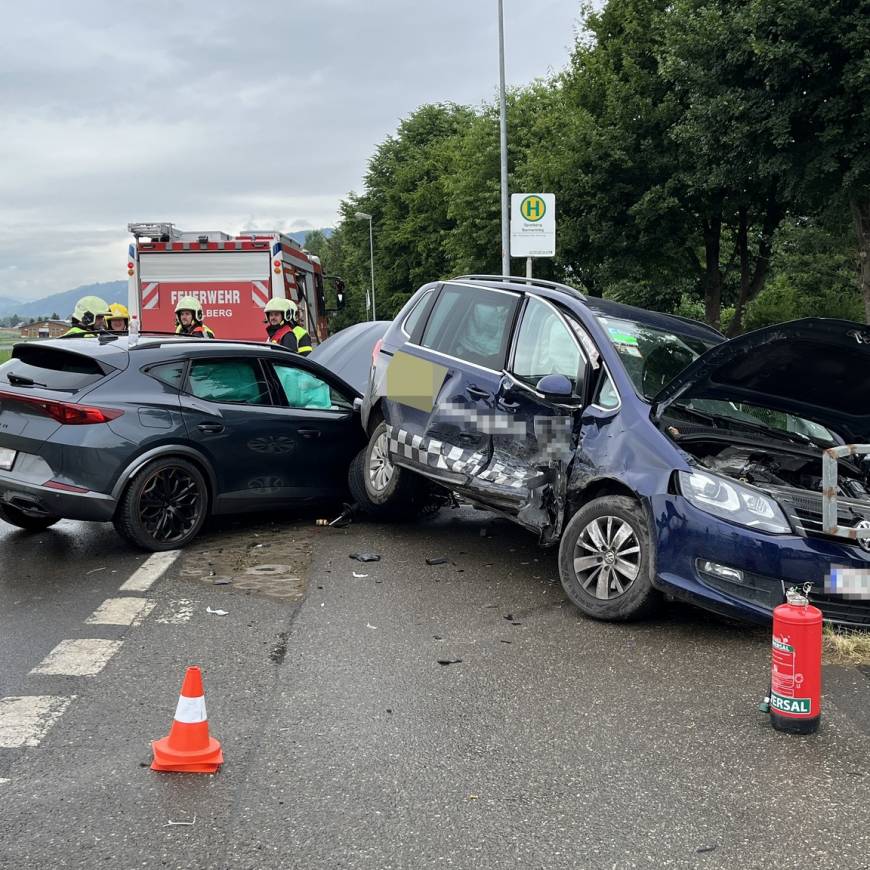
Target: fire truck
{"points": [[232, 276]]}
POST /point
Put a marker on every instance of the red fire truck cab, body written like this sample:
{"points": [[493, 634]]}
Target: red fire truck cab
{"points": [[232, 276]]}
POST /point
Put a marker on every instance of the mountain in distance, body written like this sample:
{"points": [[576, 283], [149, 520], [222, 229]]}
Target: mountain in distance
{"points": [[111, 291], [63, 303]]}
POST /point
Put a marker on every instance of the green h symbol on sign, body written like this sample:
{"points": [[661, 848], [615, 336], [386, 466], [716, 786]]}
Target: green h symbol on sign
{"points": [[533, 208]]}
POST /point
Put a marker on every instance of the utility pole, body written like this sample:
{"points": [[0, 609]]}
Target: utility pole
{"points": [[505, 215]]}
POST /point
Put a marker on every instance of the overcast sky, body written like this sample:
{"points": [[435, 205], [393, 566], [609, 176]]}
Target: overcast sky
{"points": [[223, 115]]}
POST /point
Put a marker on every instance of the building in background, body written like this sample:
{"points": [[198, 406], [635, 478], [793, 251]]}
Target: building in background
{"points": [[43, 329]]}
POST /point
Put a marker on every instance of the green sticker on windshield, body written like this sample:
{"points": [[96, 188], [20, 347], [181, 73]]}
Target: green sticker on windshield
{"points": [[617, 336]]}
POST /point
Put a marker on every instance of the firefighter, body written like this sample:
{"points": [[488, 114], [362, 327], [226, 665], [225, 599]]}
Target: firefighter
{"points": [[188, 318], [283, 328], [118, 318], [88, 318]]}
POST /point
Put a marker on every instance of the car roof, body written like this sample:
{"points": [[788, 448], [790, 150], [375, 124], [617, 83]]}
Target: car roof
{"points": [[601, 307]]}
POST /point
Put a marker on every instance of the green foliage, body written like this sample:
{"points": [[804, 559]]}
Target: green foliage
{"points": [[697, 149]]}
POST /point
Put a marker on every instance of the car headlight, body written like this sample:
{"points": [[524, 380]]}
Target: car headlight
{"points": [[730, 500]]}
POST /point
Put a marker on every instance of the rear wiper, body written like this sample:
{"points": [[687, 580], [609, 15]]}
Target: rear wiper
{"points": [[20, 381]]}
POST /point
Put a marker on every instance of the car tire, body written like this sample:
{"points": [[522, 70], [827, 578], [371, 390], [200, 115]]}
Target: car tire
{"points": [[164, 506], [16, 517], [605, 560], [387, 491]]}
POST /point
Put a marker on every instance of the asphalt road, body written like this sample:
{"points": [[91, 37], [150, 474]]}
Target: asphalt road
{"points": [[549, 741]]}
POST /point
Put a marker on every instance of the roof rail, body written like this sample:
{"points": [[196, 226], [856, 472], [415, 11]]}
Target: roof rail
{"points": [[521, 279]]}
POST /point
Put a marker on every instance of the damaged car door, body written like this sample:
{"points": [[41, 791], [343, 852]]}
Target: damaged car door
{"points": [[442, 389], [535, 427]]}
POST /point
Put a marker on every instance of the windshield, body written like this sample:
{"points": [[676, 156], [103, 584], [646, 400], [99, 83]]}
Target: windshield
{"points": [[654, 357]]}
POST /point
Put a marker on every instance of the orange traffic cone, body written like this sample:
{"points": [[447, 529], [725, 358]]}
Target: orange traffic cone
{"points": [[188, 747]]}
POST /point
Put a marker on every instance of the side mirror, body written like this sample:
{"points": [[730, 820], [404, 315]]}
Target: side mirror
{"points": [[556, 388]]}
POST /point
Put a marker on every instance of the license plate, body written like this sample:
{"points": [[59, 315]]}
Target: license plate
{"points": [[7, 458], [849, 582]]}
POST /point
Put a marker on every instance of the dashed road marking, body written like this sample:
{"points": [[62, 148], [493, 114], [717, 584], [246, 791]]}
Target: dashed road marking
{"points": [[177, 612], [83, 657], [4, 781], [24, 721], [121, 611], [151, 570]]}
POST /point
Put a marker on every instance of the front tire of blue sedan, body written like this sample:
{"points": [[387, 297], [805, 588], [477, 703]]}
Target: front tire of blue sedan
{"points": [[164, 506], [605, 560]]}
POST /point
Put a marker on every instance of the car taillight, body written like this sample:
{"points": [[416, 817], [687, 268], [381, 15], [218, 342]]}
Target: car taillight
{"points": [[68, 413], [378, 344]]}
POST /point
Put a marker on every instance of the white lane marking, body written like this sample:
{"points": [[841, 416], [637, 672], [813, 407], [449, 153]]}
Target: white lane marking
{"points": [[83, 657], [177, 612], [24, 721], [121, 611], [4, 781], [151, 570]]}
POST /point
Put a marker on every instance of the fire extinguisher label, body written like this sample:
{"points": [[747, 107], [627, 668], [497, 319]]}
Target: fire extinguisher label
{"points": [[796, 706], [785, 681]]}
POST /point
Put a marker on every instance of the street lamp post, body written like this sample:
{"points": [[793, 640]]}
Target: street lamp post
{"points": [[362, 216], [502, 117]]}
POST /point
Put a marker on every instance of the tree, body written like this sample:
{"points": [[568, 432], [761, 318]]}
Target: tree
{"points": [[821, 53]]}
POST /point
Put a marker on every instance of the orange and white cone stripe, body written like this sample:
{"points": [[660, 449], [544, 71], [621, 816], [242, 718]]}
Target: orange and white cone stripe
{"points": [[188, 748]]}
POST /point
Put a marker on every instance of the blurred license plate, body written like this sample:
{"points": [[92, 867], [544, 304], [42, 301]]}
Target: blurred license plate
{"points": [[7, 458], [851, 582]]}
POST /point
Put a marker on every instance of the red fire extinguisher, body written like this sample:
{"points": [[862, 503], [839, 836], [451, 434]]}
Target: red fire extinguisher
{"points": [[796, 669]]}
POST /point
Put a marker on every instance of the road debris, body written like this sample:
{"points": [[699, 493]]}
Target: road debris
{"points": [[366, 557], [221, 581], [359, 576], [438, 560], [95, 571], [216, 612], [449, 661], [170, 823], [345, 517], [369, 625], [701, 849]]}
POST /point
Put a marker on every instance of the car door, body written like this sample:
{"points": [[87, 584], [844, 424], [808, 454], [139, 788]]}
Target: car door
{"points": [[441, 388], [320, 413], [250, 439], [536, 432]]}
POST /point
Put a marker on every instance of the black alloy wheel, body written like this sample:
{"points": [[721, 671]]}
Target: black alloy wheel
{"points": [[165, 505]]}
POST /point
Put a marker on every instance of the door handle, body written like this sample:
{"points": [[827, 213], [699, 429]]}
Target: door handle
{"points": [[309, 433], [477, 392], [211, 428]]}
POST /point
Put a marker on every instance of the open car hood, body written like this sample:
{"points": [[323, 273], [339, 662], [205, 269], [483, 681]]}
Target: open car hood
{"points": [[816, 368]]}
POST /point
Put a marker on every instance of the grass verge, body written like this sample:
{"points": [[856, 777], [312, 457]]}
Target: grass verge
{"points": [[846, 646]]}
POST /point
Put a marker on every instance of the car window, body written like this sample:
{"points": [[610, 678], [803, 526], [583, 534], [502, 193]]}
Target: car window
{"points": [[412, 321], [171, 374], [608, 397], [305, 390], [237, 381], [545, 346], [52, 368], [471, 324]]}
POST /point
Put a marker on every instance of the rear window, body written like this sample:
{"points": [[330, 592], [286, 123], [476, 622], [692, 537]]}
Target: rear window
{"points": [[51, 368]]}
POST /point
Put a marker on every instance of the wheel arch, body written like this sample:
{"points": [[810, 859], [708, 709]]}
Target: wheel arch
{"points": [[168, 451]]}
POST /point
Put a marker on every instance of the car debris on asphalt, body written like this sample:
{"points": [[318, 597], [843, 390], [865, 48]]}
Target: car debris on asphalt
{"points": [[365, 557]]}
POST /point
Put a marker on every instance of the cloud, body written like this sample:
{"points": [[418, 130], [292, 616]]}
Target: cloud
{"points": [[223, 117]]}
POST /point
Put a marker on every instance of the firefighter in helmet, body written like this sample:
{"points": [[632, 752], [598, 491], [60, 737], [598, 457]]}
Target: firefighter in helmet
{"points": [[282, 326], [118, 318], [88, 317], [189, 319]]}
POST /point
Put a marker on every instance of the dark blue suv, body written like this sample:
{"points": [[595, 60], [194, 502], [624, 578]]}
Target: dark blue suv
{"points": [[661, 458]]}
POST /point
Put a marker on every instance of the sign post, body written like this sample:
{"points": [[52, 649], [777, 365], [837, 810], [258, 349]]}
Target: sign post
{"points": [[533, 226]]}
